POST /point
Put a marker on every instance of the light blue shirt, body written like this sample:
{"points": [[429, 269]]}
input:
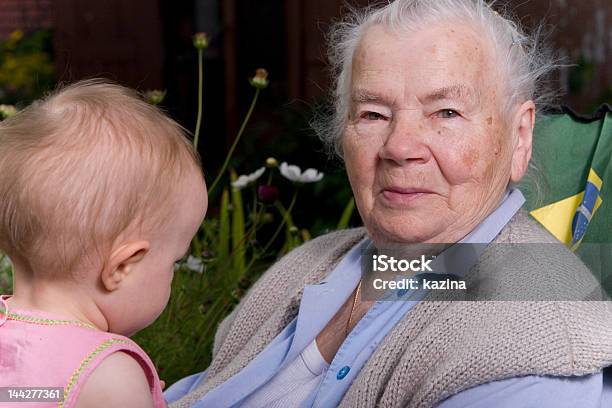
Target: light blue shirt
{"points": [[321, 302]]}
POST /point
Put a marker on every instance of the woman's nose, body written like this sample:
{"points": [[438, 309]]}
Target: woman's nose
{"points": [[406, 141]]}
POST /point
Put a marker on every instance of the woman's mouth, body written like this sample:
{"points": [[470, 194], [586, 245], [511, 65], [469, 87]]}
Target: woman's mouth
{"points": [[400, 195]]}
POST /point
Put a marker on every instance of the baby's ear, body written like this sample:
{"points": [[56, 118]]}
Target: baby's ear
{"points": [[121, 262]]}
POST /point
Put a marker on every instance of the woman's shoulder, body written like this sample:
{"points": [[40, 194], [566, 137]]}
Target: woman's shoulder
{"points": [[536, 266], [543, 302], [524, 229]]}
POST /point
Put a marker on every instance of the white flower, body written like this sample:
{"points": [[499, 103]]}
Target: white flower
{"points": [[294, 173], [194, 264], [242, 181]]}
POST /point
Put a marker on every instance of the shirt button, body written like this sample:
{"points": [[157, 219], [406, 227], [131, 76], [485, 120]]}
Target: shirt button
{"points": [[343, 372]]}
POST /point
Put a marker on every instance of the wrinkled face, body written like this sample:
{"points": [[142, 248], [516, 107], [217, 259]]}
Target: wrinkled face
{"points": [[426, 152]]}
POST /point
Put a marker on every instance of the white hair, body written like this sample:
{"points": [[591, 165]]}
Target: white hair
{"points": [[522, 60]]}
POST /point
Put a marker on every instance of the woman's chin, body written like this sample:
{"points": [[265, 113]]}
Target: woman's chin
{"points": [[394, 233], [421, 224]]}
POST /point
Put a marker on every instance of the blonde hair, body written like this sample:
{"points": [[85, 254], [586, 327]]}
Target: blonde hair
{"points": [[80, 167]]}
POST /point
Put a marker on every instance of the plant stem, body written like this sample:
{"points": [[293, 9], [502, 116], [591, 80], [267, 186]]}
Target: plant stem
{"points": [[236, 140], [200, 86], [278, 230]]}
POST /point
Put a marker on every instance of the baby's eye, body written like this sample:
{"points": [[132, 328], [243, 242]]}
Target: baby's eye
{"points": [[447, 114]]}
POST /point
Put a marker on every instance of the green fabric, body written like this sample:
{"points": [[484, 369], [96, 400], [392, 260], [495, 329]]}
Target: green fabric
{"points": [[573, 156]]}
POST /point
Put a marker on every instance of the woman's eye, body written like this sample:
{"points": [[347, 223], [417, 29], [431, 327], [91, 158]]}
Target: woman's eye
{"points": [[447, 114], [372, 116]]}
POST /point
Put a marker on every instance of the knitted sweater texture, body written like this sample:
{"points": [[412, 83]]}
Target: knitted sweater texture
{"points": [[443, 345]]}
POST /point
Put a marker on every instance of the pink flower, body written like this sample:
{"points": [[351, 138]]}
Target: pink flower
{"points": [[267, 194]]}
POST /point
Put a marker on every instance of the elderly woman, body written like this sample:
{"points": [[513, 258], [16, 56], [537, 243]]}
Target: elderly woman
{"points": [[434, 117]]}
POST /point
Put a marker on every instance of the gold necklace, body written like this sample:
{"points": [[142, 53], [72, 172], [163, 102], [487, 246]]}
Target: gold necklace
{"points": [[348, 322]]}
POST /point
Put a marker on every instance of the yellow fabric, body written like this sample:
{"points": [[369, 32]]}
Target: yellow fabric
{"points": [[557, 217], [595, 179]]}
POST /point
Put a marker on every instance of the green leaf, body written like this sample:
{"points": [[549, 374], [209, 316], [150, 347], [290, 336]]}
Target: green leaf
{"points": [[238, 233], [346, 214], [224, 227]]}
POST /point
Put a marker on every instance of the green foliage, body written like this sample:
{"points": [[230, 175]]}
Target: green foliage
{"points": [[224, 226], [346, 214], [26, 68], [6, 275], [238, 235]]}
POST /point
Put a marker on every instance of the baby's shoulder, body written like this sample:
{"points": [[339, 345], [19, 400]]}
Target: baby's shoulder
{"points": [[94, 368], [117, 373], [119, 380]]}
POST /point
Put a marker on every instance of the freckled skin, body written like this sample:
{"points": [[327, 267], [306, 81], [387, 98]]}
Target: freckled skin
{"points": [[465, 161], [471, 158]]}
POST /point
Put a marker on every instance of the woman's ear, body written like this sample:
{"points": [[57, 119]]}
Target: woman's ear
{"points": [[522, 132], [121, 263]]}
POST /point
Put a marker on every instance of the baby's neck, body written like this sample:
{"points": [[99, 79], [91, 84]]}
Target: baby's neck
{"points": [[69, 300]]}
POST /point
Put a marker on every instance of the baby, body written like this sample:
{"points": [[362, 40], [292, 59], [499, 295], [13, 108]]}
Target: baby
{"points": [[100, 195]]}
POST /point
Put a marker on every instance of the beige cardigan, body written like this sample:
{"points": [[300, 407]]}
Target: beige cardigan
{"points": [[441, 347]]}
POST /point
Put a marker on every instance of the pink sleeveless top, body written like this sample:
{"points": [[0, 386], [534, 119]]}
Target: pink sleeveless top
{"points": [[38, 349]]}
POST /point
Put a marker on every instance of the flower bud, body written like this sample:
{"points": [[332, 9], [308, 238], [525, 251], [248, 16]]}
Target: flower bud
{"points": [[200, 41], [6, 111], [293, 230], [271, 163], [268, 218], [260, 80], [267, 194], [155, 97]]}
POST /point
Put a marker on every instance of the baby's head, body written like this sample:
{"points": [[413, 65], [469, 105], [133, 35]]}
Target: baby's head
{"points": [[99, 192]]}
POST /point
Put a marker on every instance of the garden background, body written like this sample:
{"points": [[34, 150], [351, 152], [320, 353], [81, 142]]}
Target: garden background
{"points": [[149, 45]]}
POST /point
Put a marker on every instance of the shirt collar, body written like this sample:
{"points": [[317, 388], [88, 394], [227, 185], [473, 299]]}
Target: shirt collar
{"points": [[459, 258]]}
